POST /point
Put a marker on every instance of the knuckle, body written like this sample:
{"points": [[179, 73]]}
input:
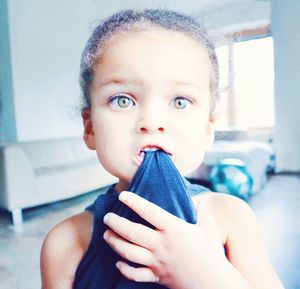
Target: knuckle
{"points": [[128, 256], [156, 279], [155, 264], [131, 236], [144, 214]]}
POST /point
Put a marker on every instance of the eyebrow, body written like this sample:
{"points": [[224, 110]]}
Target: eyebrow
{"points": [[189, 83], [119, 80], [137, 82]]}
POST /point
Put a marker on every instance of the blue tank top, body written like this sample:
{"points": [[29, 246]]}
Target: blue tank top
{"points": [[97, 268]]}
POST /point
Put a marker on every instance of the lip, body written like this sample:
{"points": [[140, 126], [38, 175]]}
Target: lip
{"points": [[140, 154], [154, 146]]}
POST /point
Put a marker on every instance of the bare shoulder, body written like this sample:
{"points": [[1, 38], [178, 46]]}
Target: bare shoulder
{"points": [[242, 237], [62, 250], [227, 205], [229, 212]]}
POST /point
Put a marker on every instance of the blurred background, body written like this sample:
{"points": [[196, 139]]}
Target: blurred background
{"points": [[47, 173]]}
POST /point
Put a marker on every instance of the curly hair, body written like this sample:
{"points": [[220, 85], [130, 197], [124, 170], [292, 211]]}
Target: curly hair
{"points": [[143, 20]]}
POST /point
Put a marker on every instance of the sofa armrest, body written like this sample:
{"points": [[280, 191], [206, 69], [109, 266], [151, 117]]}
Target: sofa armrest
{"points": [[17, 177]]}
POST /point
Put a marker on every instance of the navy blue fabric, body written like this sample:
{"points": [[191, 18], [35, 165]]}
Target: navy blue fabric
{"points": [[156, 180]]}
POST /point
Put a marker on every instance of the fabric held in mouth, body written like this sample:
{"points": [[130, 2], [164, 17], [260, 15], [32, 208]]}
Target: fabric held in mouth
{"points": [[159, 181], [156, 180]]}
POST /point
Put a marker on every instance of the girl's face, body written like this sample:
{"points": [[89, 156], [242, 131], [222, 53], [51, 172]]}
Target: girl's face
{"points": [[150, 89]]}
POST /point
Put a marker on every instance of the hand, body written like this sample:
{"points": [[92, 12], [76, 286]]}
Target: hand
{"points": [[176, 254]]}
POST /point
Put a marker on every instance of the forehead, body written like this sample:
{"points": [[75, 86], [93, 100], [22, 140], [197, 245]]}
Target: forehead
{"points": [[158, 54]]}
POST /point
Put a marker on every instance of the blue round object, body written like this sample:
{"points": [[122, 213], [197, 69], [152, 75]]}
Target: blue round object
{"points": [[231, 176]]}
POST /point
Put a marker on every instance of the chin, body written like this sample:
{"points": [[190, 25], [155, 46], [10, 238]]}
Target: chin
{"points": [[126, 178], [186, 170]]}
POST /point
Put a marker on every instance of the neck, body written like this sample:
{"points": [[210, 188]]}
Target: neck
{"points": [[121, 186]]}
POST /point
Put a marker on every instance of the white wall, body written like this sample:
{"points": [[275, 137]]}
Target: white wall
{"points": [[285, 31], [42, 52], [7, 107], [45, 40]]}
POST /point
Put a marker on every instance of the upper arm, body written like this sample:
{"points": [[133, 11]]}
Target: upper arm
{"points": [[245, 247], [61, 253]]}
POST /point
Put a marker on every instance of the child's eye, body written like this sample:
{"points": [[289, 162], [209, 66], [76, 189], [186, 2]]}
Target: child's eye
{"points": [[122, 101], [180, 102]]}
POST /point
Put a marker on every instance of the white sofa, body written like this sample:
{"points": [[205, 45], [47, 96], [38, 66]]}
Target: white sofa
{"points": [[39, 172]]}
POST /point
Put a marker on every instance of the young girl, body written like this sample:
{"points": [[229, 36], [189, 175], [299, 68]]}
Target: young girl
{"points": [[149, 80]]}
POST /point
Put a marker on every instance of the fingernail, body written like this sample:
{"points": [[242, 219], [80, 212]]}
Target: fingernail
{"points": [[105, 236], [106, 218], [122, 196], [118, 265]]}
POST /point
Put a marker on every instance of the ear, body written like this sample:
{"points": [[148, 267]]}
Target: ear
{"points": [[88, 135], [211, 130]]}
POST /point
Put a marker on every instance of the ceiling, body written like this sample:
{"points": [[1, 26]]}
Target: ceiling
{"points": [[226, 15]]}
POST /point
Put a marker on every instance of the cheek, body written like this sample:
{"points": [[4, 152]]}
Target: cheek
{"points": [[192, 156], [105, 148], [108, 130], [114, 144], [192, 142]]}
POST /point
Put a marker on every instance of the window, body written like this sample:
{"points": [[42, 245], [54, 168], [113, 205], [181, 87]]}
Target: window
{"points": [[249, 102]]}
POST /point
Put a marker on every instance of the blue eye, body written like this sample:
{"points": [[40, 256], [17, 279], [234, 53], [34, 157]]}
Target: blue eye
{"points": [[122, 101], [180, 102]]}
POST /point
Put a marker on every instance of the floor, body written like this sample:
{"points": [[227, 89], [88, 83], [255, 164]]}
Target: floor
{"points": [[276, 206], [278, 210]]}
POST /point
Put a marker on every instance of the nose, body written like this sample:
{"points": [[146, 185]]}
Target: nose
{"points": [[148, 129], [151, 123]]}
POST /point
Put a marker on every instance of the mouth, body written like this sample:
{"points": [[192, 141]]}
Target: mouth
{"points": [[139, 156]]}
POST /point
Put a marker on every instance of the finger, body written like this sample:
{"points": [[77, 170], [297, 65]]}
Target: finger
{"points": [[142, 274], [131, 231], [147, 210], [129, 251]]}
